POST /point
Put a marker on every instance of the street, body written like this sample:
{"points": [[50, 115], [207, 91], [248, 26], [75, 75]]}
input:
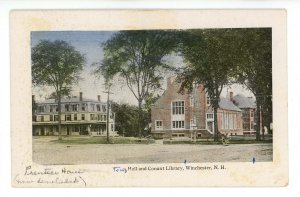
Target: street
{"points": [[45, 151]]}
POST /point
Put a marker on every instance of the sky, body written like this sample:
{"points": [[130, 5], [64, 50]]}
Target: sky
{"points": [[89, 44]]}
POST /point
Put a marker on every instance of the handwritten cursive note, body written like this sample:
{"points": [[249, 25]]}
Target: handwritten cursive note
{"points": [[51, 176]]}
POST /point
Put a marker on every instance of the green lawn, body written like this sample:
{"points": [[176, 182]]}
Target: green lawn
{"points": [[232, 140], [102, 140], [133, 140]]}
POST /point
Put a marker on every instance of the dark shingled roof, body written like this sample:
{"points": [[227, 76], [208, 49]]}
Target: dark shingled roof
{"points": [[227, 104], [244, 102]]}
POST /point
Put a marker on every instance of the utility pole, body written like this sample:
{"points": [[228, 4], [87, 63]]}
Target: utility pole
{"points": [[107, 114]]}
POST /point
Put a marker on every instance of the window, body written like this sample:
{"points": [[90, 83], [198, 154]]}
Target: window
{"points": [[178, 135], [92, 116], [98, 107], [158, 124], [223, 120], [53, 108], [82, 116], [246, 120], [75, 116], [42, 118], [84, 106], [92, 107], [104, 117], [55, 117], [67, 107], [229, 120], [207, 100], [178, 107], [75, 107], [178, 124], [234, 121], [68, 117], [41, 108], [251, 113], [210, 116], [51, 117], [103, 108]]}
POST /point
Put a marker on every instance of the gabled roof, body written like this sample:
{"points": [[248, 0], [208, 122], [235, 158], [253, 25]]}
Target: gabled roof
{"points": [[244, 102], [227, 104]]}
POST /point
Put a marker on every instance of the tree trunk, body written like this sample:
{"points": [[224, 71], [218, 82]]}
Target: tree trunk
{"points": [[262, 124], [107, 118], [59, 117], [258, 120], [216, 128], [140, 119]]}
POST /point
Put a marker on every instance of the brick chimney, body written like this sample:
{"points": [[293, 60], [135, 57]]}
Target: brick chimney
{"points": [[99, 98], [80, 96], [231, 96]]}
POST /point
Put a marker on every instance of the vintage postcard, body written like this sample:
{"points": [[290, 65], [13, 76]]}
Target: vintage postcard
{"points": [[149, 98]]}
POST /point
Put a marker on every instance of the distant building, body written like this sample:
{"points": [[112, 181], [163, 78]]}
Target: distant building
{"points": [[79, 116], [230, 120], [188, 115], [248, 107]]}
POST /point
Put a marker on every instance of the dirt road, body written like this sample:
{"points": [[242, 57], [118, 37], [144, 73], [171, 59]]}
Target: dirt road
{"points": [[47, 152]]}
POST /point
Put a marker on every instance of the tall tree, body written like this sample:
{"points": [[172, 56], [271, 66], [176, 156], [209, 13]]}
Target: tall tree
{"points": [[255, 70], [137, 57], [127, 117], [56, 64], [209, 56]]}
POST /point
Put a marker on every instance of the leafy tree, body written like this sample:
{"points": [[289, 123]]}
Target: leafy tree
{"points": [[255, 70], [137, 57], [56, 64], [127, 117], [209, 55], [219, 57]]}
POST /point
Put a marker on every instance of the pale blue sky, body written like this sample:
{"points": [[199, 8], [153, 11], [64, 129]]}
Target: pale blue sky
{"points": [[89, 44]]}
